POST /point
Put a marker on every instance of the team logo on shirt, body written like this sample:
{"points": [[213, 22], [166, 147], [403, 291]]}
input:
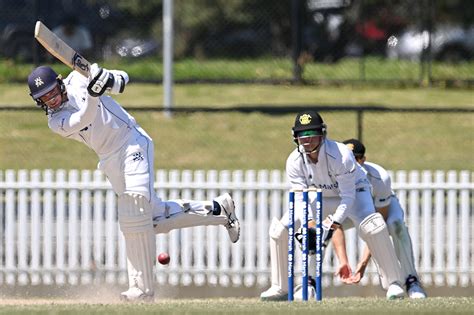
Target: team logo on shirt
{"points": [[305, 119], [138, 156]]}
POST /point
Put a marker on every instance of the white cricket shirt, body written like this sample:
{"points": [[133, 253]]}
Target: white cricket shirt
{"points": [[336, 173], [381, 184], [98, 122]]}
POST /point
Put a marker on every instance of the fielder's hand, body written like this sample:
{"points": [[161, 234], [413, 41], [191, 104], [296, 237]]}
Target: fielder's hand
{"points": [[345, 273], [358, 274]]}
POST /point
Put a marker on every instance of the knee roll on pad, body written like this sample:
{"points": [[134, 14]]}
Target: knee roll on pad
{"points": [[374, 232], [372, 224], [277, 229], [134, 213]]}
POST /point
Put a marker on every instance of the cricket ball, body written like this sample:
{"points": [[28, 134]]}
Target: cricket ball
{"points": [[164, 258]]}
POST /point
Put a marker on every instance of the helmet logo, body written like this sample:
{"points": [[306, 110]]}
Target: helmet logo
{"points": [[350, 146], [39, 82], [305, 119]]}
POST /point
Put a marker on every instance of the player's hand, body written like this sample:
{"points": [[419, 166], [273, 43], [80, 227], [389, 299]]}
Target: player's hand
{"points": [[100, 80], [120, 80], [330, 223], [358, 274], [345, 273]]}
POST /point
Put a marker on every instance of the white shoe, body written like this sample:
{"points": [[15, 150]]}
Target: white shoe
{"points": [[298, 292], [136, 295], [414, 289], [274, 293], [395, 291], [233, 226]]}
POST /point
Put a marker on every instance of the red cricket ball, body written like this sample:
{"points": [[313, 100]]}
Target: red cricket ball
{"points": [[164, 258]]}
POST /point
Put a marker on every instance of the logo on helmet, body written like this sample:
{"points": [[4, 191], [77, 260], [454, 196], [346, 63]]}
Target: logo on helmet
{"points": [[38, 82], [305, 119], [350, 146]]}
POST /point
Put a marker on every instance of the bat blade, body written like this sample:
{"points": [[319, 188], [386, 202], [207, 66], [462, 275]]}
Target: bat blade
{"points": [[59, 49]]}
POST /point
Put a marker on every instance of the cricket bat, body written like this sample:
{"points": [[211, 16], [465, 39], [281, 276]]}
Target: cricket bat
{"points": [[59, 49]]}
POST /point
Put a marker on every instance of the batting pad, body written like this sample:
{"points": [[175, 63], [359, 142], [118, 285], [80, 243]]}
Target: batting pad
{"points": [[135, 218], [403, 247], [374, 232], [279, 254]]}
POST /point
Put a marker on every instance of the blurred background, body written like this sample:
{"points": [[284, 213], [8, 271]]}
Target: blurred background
{"points": [[399, 75], [396, 74], [351, 35]]}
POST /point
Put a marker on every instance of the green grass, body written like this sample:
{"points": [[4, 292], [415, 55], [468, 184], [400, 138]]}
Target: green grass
{"points": [[439, 305], [266, 68], [235, 140]]}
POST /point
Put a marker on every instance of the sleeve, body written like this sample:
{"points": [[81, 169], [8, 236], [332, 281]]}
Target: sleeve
{"points": [[345, 174], [66, 123], [295, 173], [382, 188], [297, 178]]}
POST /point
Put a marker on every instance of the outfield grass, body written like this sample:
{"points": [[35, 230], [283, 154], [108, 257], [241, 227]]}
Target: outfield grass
{"points": [[267, 68], [438, 305], [235, 140]]}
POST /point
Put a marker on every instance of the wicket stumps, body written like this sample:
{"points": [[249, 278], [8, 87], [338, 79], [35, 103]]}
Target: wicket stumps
{"points": [[304, 245]]}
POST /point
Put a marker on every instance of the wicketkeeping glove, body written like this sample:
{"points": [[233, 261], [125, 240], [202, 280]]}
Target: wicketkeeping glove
{"points": [[328, 231]]}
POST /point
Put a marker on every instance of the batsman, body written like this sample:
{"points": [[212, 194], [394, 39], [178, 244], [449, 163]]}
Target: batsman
{"points": [[318, 162], [78, 108]]}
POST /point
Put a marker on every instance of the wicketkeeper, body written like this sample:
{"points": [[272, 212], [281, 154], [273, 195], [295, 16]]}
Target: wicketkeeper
{"points": [[328, 165], [78, 109]]}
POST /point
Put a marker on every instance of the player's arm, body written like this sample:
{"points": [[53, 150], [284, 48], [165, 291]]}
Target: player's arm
{"points": [[361, 266], [339, 243], [345, 178], [66, 123]]}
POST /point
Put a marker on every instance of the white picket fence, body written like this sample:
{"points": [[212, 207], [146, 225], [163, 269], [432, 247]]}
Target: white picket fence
{"points": [[59, 227]]}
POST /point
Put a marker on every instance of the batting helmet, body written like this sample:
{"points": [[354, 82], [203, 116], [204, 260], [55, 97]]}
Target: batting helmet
{"points": [[42, 80]]}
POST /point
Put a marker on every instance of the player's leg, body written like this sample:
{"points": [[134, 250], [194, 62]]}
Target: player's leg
{"points": [[135, 219], [130, 173], [404, 250], [373, 230], [278, 290], [176, 214]]}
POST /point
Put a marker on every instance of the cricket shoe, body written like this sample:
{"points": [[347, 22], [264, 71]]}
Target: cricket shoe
{"points": [[233, 226], [274, 293], [395, 291], [136, 295], [414, 288]]}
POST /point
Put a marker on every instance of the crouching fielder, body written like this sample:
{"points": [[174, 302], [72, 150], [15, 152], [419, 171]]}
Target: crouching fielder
{"points": [[78, 109], [386, 202], [328, 165]]}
